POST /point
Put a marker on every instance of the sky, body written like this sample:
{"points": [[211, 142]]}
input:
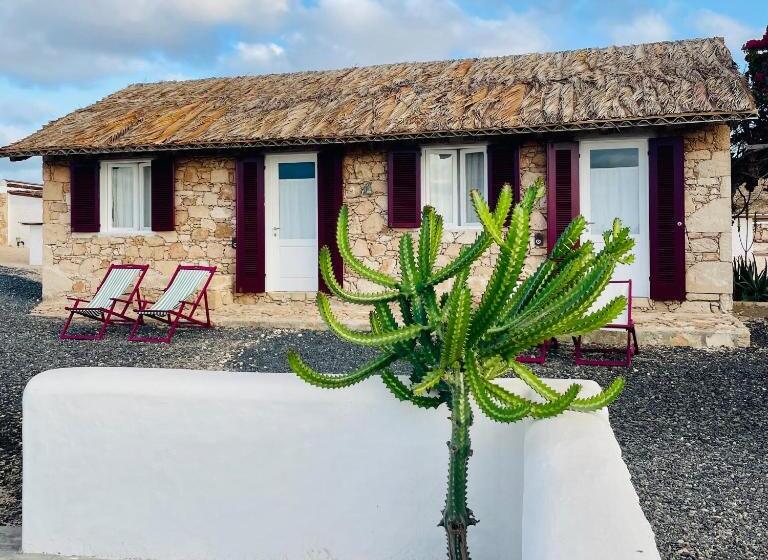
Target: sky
{"points": [[60, 55]]}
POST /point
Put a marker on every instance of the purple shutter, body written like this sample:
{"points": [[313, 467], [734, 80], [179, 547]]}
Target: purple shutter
{"points": [[163, 204], [404, 188], [330, 197], [84, 196], [562, 188], [249, 221], [667, 218], [503, 167]]}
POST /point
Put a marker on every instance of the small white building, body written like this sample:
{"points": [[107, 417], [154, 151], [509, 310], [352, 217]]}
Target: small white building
{"points": [[21, 204]]}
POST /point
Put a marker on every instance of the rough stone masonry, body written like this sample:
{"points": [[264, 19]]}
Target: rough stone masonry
{"points": [[74, 263]]}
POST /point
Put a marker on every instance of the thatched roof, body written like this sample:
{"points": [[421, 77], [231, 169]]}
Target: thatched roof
{"points": [[656, 83]]}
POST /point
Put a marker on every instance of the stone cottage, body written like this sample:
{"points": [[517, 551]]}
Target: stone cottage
{"points": [[248, 173]]}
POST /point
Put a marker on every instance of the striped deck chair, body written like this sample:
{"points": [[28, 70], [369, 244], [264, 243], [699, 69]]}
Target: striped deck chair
{"points": [[174, 307], [113, 298]]}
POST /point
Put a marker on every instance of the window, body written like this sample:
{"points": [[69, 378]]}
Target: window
{"points": [[126, 196], [614, 181], [450, 175]]}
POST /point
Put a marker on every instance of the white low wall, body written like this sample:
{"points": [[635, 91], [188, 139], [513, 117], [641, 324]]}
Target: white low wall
{"points": [[172, 465]]}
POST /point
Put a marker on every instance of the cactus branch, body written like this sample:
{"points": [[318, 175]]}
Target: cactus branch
{"points": [[456, 348]]}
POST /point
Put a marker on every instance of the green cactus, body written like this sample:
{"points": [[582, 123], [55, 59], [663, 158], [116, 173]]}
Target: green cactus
{"points": [[456, 348]]}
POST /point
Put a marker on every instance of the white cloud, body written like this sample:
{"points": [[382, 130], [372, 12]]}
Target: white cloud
{"points": [[11, 133], [647, 27], [259, 53], [711, 23], [338, 33], [71, 41]]}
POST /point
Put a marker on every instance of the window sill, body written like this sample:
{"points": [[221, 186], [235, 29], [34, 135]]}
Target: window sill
{"points": [[123, 233], [477, 228]]}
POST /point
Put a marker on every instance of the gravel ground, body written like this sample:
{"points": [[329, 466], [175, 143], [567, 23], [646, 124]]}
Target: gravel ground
{"points": [[693, 424]]}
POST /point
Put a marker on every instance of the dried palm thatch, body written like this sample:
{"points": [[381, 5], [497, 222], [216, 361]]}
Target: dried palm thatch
{"points": [[656, 83]]}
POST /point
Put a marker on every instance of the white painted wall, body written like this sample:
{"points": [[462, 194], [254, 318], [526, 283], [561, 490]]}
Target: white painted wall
{"points": [[171, 464], [743, 234], [22, 209]]}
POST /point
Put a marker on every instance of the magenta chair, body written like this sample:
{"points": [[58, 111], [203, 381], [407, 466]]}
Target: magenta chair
{"points": [[623, 322]]}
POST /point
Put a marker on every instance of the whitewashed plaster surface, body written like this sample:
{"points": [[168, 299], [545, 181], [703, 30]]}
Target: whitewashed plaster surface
{"points": [[172, 465]]}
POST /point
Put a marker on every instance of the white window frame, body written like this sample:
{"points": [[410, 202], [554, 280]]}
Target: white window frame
{"points": [[105, 185], [460, 201]]}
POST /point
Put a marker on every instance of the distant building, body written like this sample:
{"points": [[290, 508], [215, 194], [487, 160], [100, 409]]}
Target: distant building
{"points": [[21, 203]]}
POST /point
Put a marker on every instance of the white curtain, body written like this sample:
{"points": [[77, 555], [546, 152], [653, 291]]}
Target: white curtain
{"points": [[122, 197], [298, 208], [146, 196], [474, 175], [615, 193], [441, 188]]}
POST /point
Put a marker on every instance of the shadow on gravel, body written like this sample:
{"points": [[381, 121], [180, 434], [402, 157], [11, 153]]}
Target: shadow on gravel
{"points": [[693, 424]]}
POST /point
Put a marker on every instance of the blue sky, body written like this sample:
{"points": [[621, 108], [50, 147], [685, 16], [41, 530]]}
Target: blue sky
{"points": [[59, 55]]}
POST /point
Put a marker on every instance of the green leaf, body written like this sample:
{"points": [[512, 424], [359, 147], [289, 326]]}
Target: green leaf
{"points": [[486, 217], [456, 330], [569, 238], [337, 381], [326, 271], [557, 406], [481, 392], [364, 338], [602, 399], [428, 249], [403, 393], [503, 204], [431, 379], [587, 404], [354, 264], [408, 271], [467, 255]]}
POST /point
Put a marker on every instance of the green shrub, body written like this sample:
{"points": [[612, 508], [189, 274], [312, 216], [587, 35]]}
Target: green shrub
{"points": [[455, 347], [749, 282]]}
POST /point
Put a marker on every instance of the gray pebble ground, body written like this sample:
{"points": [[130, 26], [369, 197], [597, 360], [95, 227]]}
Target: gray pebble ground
{"points": [[693, 424]]}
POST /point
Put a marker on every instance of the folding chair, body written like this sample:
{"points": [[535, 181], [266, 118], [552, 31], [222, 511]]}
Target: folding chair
{"points": [[623, 322], [110, 303], [173, 307], [539, 357]]}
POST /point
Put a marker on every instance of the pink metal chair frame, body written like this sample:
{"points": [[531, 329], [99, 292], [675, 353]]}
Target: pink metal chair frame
{"points": [[177, 318], [539, 358], [106, 315], [629, 352]]}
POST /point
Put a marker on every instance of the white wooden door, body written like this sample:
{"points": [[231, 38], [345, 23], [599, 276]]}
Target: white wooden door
{"points": [[291, 222], [613, 182]]}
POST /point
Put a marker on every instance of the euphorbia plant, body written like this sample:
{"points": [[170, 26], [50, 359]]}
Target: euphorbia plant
{"points": [[456, 348]]}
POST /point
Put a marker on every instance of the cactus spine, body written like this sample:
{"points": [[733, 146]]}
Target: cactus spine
{"points": [[456, 348]]}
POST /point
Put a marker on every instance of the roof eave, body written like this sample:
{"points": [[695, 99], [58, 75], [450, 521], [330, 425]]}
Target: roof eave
{"points": [[697, 118]]}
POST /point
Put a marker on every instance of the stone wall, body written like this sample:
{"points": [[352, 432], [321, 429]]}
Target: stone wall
{"points": [[74, 263], [709, 278], [3, 219], [377, 244]]}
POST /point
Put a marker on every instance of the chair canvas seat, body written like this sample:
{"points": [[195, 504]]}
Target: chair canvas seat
{"points": [[175, 306], [112, 300]]}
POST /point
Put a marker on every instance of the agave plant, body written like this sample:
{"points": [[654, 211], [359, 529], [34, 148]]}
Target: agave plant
{"points": [[456, 347], [750, 283]]}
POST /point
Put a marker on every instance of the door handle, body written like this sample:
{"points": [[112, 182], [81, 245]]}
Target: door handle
{"points": [[679, 224]]}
